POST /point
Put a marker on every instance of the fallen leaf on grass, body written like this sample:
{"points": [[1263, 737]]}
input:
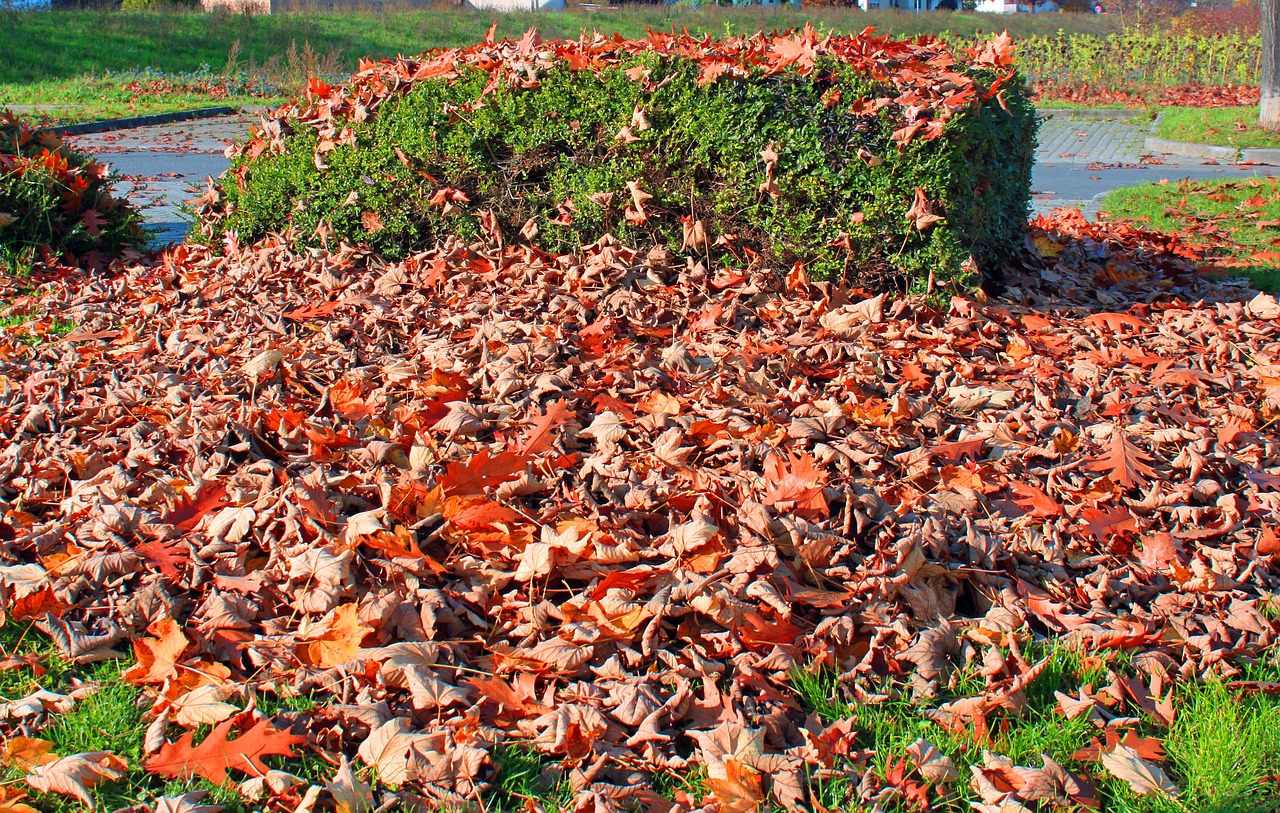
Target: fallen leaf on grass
{"points": [[11, 801], [350, 793], [157, 658], [77, 774], [186, 803], [27, 753], [216, 754], [1143, 777]]}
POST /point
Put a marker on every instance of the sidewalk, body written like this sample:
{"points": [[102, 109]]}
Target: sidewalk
{"points": [[1080, 159], [161, 164]]}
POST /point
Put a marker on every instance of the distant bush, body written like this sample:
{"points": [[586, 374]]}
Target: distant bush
{"points": [[1238, 18], [159, 5], [844, 154], [56, 199]]}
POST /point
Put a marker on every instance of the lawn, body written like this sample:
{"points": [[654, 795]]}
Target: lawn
{"points": [[1222, 746], [1233, 222], [85, 98], [1223, 126]]}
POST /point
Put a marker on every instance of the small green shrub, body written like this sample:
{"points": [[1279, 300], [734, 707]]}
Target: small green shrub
{"points": [[644, 148], [56, 199], [159, 5]]}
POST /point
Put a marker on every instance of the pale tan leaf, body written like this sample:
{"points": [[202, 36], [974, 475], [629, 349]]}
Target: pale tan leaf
{"points": [[1143, 777], [350, 793], [77, 774]]}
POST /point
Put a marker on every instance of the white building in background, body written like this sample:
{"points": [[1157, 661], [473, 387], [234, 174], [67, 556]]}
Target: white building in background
{"points": [[515, 5], [990, 6], [1013, 7]]}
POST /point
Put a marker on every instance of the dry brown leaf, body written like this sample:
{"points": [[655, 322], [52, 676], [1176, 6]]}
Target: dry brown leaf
{"points": [[76, 775]]}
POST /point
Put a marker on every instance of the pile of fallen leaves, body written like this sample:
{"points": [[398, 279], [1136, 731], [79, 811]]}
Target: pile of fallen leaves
{"points": [[1230, 222], [604, 504]]}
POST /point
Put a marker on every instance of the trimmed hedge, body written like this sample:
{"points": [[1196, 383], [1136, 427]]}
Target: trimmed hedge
{"points": [[57, 200], [841, 161]]}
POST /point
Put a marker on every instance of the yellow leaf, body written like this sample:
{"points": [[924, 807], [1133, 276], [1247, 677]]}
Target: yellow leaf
{"points": [[27, 753], [338, 639]]}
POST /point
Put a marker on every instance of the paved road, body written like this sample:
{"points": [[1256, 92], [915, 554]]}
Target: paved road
{"points": [[1077, 161], [166, 164]]}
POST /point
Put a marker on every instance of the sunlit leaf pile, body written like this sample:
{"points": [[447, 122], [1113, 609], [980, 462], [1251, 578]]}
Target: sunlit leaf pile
{"points": [[607, 504]]}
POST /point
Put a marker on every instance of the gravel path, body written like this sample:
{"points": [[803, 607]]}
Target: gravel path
{"points": [[1078, 160]]}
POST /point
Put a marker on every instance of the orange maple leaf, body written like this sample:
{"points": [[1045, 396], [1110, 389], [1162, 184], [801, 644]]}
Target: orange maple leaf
{"points": [[739, 791], [37, 605], [796, 480], [157, 657], [539, 437], [213, 757], [1115, 321], [1036, 502], [338, 640], [1103, 524], [481, 471], [1126, 463]]}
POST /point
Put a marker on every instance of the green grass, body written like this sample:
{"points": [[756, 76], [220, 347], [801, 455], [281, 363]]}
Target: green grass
{"points": [[86, 98], [524, 775], [15, 323], [41, 46], [1213, 215], [1222, 126], [111, 719], [1223, 749]]}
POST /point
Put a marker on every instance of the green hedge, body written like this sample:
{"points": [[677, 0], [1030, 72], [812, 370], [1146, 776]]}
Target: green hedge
{"points": [[551, 156], [56, 199]]}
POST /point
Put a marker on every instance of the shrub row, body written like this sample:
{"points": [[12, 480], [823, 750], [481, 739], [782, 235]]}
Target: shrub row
{"points": [[1141, 60], [842, 153]]}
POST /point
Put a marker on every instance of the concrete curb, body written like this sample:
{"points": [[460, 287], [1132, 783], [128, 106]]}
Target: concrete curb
{"points": [[108, 125], [1186, 149], [1090, 113]]}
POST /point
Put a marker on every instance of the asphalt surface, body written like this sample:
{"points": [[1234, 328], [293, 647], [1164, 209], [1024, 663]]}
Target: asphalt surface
{"points": [[1077, 161], [163, 165], [1080, 160]]}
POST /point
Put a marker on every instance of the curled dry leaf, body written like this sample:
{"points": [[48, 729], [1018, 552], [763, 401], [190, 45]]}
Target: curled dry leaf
{"points": [[76, 775], [1143, 777], [932, 764], [263, 363]]}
